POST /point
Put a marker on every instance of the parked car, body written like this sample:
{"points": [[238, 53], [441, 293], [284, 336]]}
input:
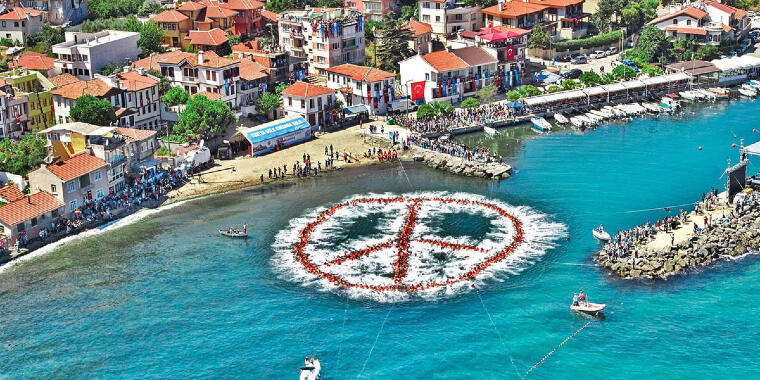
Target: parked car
{"points": [[610, 51], [563, 58], [572, 74], [630, 64], [596, 54], [580, 59]]}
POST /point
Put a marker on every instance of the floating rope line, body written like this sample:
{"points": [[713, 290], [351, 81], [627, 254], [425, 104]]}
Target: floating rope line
{"points": [[497, 331], [557, 348], [375, 343], [659, 208]]}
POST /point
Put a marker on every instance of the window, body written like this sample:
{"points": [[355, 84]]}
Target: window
{"points": [[425, 5], [34, 222], [72, 205], [99, 194], [71, 186], [54, 213], [3, 24], [426, 18], [53, 189], [311, 103], [688, 22], [303, 103], [97, 176], [675, 22], [290, 100], [437, 18], [20, 227]]}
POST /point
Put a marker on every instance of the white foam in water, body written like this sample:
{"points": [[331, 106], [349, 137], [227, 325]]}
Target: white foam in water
{"points": [[426, 263]]}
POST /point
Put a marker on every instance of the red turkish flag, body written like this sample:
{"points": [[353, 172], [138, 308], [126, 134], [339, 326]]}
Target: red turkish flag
{"points": [[510, 53], [418, 90]]}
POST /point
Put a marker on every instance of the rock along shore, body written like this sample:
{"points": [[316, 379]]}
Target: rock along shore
{"points": [[724, 239], [461, 166]]}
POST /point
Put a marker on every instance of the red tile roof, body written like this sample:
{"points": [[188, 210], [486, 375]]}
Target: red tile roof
{"points": [[171, 15], [514, 9], [213, 37], [723, 7], [76, 166], [216, 11], [689, 11], [474, 56], [361, 73], [726, 28], [133, 81], [557, 3], [133, 134], [250, 70], [242, 5], [29, 207], [20, 13], [10, 193], [95, 87], [32, 61], [210, 95], [63, 79], [269, 15], [504, 28], [306, 90], [210, 59], [418, 28], [444, 61], [191, 6], [679, 29]]}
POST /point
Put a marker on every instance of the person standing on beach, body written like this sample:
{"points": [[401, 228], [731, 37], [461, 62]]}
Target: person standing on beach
{"points": [[672, 239]]}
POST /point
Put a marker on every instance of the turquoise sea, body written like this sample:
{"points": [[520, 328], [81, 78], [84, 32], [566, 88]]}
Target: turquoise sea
{"points": [[167, 297]]}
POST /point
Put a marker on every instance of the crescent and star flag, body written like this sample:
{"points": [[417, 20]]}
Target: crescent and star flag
{"points": [[510, 53], [418, 90]]}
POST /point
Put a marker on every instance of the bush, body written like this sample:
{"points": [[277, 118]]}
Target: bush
{"points": [[552, 89], [624, 72], [426, 111], [443, 108], [470, 103], [601, 39], [590, 78]]}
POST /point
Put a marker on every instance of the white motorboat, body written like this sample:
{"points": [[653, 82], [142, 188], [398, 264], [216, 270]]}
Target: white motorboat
{"points": [[586, 120], [669, 103], [688, 95], [599, 114], [601, 234], [588, 307], [720, 92], [577, 122], [707, 94], [233, 232], [747, 92], [491, 131], [594, 118], [651, 107], [755, 84], [560, 118], [310, 370], [540, 124]]}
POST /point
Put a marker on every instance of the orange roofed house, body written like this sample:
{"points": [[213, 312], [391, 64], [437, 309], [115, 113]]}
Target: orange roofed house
{"points": [[73, 182], [26, 215], [18, 23], [316, 104], [564, 18], [422, 42], [31, 60], [363, 85], [707, 23]]}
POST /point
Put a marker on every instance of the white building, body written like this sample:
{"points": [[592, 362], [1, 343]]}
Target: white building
{"points": [[326, 38], [449, 16], [85, 54], [450, 75], [140, 97], [708, 23], [362, 85], [59, 12], [19, 23], [564, 19], [316, 104]]}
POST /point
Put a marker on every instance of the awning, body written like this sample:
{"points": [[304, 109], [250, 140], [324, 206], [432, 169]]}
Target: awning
{"points": [[357, 109], [753, 149], [274, 129]]}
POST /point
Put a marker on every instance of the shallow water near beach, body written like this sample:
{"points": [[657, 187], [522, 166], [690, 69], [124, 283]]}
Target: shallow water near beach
{"points": [[169, 297]]}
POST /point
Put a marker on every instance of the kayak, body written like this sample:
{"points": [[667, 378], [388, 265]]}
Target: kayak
{"points": [[588, 307], [601, 235]]}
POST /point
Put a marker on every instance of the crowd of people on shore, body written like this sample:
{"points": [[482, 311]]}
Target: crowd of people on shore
{"points": [[453, 149], [307, 167], [459, 118]]}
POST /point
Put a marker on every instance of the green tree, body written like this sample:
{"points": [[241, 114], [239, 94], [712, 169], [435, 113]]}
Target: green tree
{"points": [[233, 39], [110, 68], [443, 108], [514, 95], [89, 109], [624, 72], [164, 84], [24, 156], [569, 84], [426, 111], [45, 38], [608, 78], [202, 116], [175, 96], [372, 28], [279, 6], [528, 91], [707, 52], [394, 47], [281, 87], [470, 103], [268, 102], [409, 12], [539, 37], [651, 70], [653, 45], [486, 94], [554, 88], [151, 38], [590, 78], [148, 7]]}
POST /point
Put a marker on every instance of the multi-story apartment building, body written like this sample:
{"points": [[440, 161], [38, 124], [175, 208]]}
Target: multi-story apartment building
{"points": [[363, 85], [248, 20], [140, 97], [84, 54], [325, 37], [253, 82], [563, 18], [316, 104], [449, 16], [33, 86], [18, 23], [373, 10], [278, 63], [59, 12], [13, 112], [176, 26]]}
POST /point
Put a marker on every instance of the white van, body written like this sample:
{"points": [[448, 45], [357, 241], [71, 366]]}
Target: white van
{"points": [[401, 106]]}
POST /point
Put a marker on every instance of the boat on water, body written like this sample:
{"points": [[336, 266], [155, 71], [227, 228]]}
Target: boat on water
{"points": [[311, 370], [670, 102], [588, 308], [720, 92], [490, 131], [601, 234], [601, 115], [560, 118], [707, 95], [540, 124], [594, 118], [747, 92], [651, 107], [577, 122], [235, 233]]}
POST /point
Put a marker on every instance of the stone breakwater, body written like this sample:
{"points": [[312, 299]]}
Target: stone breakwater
{"points": [[725, 239], [461, 166]]}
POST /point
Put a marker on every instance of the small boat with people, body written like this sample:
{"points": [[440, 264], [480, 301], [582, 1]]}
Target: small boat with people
{"points": [[311, 369], [540, 124], [491, 131], [560, 118], [232, 232], [601, 234], [581, 305]]}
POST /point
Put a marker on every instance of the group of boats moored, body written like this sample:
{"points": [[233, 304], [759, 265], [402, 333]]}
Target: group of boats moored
{"points": [[750, 89]]}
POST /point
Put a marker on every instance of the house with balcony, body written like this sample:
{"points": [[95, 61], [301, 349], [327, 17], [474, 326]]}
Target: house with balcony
{"points": [[33, 86], [139, 150], [373, 10], [252, 83], [13, 112], [706, 23], [278, 64], [315, 103], [422, 41], [363, 85], [140, 97], [450, 75], [447, 17], [325, 37], [214, 40], [65, 97], [75, 181], [27, 215], [59, 12], [564, 19], [18, 23], [507, 44], [85, 54], [248, 20]]}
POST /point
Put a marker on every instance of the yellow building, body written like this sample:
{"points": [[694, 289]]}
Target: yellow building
{"points": [[36, 88], [176, 27]]}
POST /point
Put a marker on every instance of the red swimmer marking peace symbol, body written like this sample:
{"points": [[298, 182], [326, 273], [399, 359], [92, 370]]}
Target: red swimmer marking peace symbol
{"points": [[401, 245]]}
